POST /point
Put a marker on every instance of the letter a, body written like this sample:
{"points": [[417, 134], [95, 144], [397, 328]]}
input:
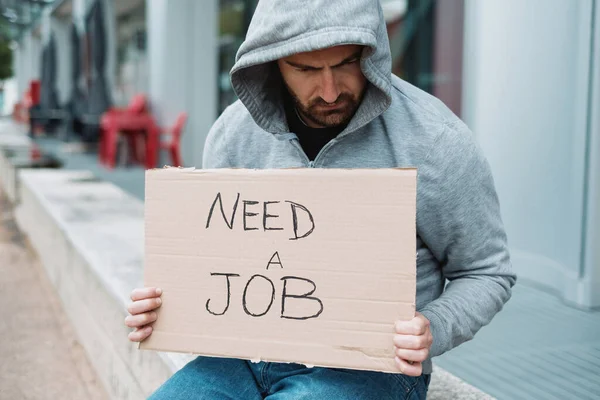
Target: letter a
{"points": [[278, 262]]}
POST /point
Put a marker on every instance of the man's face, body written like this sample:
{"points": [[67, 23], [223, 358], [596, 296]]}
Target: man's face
{"points": [[326, 85]]}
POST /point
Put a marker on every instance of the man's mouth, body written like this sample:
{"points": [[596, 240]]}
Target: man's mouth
{"points": [[329, 107]]}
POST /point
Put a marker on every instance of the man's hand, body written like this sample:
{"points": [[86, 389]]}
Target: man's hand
{"points": [[413, 340], [144, 302]]}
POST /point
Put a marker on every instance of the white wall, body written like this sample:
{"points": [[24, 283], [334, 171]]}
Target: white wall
{"points": [[60, 28], [28, 57], [182, 62], [10, 96], [591, 288], [62, 37], [131, 75], [111, 44], [35, 56], [19, 76], [80, 10], [526, 74]]}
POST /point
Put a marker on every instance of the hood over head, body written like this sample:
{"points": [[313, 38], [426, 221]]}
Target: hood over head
{"points": [[280, 28]]}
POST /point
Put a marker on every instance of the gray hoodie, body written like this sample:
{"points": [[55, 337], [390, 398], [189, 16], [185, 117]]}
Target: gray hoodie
{"points": [[460, 235]]}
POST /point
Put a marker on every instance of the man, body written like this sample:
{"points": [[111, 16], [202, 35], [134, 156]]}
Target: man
{"points": [[316, 90]]}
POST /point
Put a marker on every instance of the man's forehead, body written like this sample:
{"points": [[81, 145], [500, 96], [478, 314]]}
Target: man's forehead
{"points": [[328, 55]]}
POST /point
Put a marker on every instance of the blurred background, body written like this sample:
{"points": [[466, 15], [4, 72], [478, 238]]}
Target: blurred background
{"points": [[523, 74]]}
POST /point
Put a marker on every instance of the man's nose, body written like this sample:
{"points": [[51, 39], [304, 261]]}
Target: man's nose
{"points": [[329, 89]]}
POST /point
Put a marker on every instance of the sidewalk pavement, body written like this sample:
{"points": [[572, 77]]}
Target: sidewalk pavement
{"points": [[39, 355]]}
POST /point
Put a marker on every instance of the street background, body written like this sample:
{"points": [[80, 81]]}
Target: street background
{"points": [[523, 74]]}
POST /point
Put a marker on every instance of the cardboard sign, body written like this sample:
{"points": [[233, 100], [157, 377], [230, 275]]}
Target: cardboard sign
{"points": [[310, 266]]}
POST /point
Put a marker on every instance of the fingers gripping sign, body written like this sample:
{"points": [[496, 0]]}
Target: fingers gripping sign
{"points": [[412, 342], [142, 312]]}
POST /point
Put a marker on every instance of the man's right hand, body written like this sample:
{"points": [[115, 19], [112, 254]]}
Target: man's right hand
{"points": [[142, 314]]}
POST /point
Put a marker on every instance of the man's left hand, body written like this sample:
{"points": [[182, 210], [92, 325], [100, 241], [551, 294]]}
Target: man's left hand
{"points": [[413, 341]]}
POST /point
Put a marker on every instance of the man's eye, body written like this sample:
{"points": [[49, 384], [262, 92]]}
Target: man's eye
{"points": [[348, 63], [305, 69]]}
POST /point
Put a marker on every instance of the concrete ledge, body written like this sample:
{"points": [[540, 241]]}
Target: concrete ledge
{"points": [[14, 138], [89, 236], [8, 177], [15, 147]]}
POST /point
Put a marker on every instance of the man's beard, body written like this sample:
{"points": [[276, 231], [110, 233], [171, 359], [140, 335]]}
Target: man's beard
{"points": [[341, 116]]}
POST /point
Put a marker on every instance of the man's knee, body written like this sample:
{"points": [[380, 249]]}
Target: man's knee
{"points": [[209, 378]]}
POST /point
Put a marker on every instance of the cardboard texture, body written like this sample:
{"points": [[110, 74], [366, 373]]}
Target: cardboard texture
{"points": [[313, 267]]}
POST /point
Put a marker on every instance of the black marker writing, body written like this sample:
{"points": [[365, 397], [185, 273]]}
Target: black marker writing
{"points": [[295, 206], [249, 214], [267, 215], [306, 296], [246, 291], [227, 276], [212, 208], [278, 262]]}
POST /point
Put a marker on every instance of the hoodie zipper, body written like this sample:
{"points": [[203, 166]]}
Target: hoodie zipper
{"points": [[309, 163]]}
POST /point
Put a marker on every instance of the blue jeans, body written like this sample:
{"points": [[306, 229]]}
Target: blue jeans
{"points": [[220, 378]]}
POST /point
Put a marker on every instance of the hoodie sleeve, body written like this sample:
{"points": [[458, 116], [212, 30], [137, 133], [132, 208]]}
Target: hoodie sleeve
{"points": [[459, 220], [216, 154]]}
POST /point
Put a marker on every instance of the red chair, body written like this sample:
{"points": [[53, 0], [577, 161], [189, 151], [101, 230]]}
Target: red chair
{"points": [[131, 120], [137, 105], [131, 125], [31, 98], [173, 144], [34, 92]]}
